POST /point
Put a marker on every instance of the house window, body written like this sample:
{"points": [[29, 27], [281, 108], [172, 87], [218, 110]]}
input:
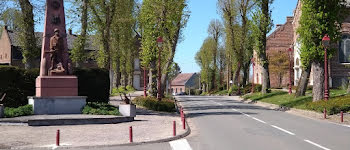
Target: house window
{"points": [[176, 90], [344, 49], [180, 90], [0, 56]]}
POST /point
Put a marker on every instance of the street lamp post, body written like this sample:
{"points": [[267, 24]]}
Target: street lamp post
{"points": [[290, 50], [326, 43], [253, 75], [160, 45], [144, 82]]}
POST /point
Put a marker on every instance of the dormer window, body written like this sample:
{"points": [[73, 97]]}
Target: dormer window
{"points": [[344, 49]]}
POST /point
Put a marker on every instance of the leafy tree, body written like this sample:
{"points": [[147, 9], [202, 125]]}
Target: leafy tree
{"points": [[279, 65], [78, 51], [215, 30], [103, 14], [204, 59], [11, 18], [161, 18], [319, 17], [27, 37], [227, 8], [262, 24]]}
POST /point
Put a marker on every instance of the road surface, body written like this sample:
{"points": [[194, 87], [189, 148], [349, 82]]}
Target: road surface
{"points": [[223, 123]]}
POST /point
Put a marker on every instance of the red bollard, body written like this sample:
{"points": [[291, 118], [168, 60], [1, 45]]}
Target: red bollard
{"points": [[324, 113], [58, 138], [130, 134], [184, 122], [341, 116], [174, 128]]}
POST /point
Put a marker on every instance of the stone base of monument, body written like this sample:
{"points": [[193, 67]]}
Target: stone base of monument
{"points": [[56, 86], [128, 110], [2, 111], [54, 105]]}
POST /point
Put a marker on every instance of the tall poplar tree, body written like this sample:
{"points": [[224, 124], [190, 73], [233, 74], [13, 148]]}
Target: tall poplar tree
{"points": [[262, 25]]}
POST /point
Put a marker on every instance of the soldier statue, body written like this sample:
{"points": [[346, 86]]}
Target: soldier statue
{"points": [[56, 54]]}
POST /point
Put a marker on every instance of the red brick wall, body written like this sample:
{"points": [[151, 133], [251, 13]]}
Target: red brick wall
{"points": [[5, 48], [278, 41], [178, 87]]}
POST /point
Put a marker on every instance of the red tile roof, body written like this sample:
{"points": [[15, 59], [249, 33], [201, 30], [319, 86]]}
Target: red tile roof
{"points": [[182, 78]]}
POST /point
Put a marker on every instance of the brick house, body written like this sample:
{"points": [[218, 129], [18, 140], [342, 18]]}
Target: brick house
{"points": [[279, 41], [183, 82], [10, 53], [338, 70]]}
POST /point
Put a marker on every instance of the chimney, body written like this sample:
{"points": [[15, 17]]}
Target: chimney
{"points": [[278, 25], [290, 19], [70, 32]]}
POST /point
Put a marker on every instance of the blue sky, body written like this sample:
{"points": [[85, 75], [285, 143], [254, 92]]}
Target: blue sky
{"points": [[202, 11]]}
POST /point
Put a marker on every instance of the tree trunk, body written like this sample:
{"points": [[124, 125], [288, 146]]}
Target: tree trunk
{"points": [[263, 57], [130, 80], [152, 84], [318, 81], [246, 67], [348, 91], [265, 79], [303, 82]]}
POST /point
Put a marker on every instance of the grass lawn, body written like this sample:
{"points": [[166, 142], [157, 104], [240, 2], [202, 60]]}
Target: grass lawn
{"points": [[282, 98]]}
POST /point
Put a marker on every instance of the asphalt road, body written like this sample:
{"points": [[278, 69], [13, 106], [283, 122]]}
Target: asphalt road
{"points": [[223, 123]]}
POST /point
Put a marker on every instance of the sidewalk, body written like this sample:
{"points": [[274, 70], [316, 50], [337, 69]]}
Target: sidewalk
{"points": [[148, 126]]}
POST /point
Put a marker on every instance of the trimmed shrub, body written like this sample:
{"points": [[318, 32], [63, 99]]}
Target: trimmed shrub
{"points": [[93, 83], [333, 106], [20, 111], [94, 108], [17, 83], [152, 103], [197, 92]]}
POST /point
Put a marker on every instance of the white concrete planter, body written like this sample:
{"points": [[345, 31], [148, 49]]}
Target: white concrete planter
{"points": [[2, 111], [128, 110]]}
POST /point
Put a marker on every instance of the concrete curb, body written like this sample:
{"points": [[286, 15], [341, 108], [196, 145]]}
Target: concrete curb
{"points": [[65, 121]]}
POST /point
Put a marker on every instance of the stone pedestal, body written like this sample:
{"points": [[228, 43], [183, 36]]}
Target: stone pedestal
{"points": [[56, 86], [57, 104], [128, 110]]}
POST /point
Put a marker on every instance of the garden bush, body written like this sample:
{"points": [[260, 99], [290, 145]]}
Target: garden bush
{"points": [[197, 92], [20, 111], [152, 103], [93, 83], [333, 106], [94, 108], [18, 84], [122, 89], [248, 88]]}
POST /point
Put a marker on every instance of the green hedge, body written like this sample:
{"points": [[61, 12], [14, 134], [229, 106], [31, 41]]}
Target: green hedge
{"points": [[93, 83], [20, 111], [333, 106], [17, 83], [94, 108], [152, 103]]}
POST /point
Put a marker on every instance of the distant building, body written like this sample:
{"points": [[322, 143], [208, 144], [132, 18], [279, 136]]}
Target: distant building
{"points": [[10, 53], [183, 82]]}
